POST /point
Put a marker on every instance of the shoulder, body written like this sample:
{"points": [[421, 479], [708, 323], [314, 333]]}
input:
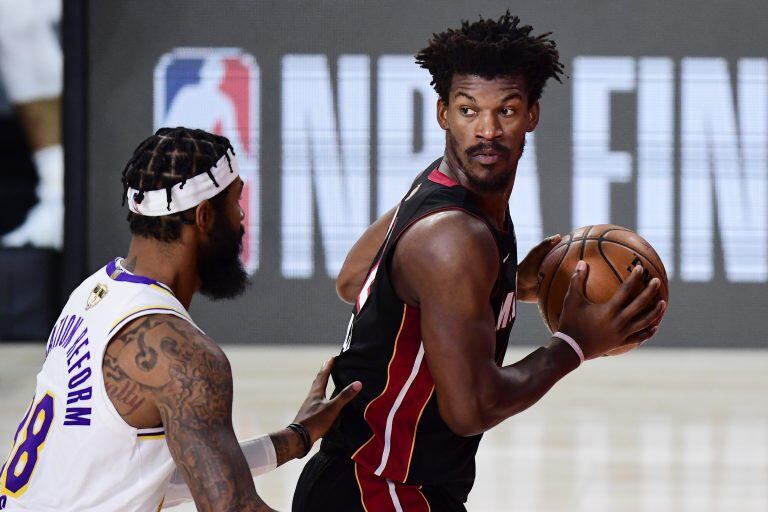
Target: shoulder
{"points": [[444, 251], [450, 237], [157, 350]]}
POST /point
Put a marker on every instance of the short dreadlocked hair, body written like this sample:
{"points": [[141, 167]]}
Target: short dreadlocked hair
{"points": [[491, 48], [169, 157]]}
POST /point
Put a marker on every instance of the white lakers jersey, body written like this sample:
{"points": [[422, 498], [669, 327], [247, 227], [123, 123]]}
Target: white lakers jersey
{"points": [[72, 451]]}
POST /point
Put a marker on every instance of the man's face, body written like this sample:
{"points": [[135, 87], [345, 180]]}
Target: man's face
{"points": [[222, 274], [485, 123]]}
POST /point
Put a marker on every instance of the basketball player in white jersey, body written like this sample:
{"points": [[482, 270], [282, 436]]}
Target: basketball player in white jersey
{"points": [[131, 388]]}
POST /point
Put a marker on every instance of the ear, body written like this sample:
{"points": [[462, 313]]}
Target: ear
{"points": [[533, 117], [204, 216], [442, 114]]}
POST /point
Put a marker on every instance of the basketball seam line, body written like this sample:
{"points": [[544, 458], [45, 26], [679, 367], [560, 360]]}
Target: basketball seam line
{"points": [[643, 255], [608, 262], [549, 286], [584, 237]]}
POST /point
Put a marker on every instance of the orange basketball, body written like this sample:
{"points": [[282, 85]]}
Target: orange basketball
{"points": [[611, 252]]}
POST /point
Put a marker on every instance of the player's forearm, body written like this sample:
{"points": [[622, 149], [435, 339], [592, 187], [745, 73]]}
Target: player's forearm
{"points": [[533, 376], [514, 388], [263, 454], [288, 445], [217, 477]]}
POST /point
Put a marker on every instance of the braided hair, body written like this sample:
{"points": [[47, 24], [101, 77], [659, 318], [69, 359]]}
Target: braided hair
{"points": [[163, 160], [491, 48]]}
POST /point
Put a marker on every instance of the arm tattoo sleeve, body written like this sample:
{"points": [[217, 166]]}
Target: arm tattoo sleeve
{"points": [[190, 381]]}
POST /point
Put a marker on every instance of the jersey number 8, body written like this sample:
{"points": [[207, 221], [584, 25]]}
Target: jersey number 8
{"points": [[29, 441]]}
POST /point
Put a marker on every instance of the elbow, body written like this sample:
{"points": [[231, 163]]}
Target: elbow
{"points": [[346, 289], [463, 428], [348, 285], [468, 419]]}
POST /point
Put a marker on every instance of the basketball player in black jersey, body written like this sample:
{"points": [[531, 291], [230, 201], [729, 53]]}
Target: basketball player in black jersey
{"points": [[435, 283]]}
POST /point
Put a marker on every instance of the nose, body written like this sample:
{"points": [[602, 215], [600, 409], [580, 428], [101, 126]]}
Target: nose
{"points": [[242, 214], [488, 126]]}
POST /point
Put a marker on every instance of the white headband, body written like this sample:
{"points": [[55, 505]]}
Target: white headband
{"points": [[194, 191]]}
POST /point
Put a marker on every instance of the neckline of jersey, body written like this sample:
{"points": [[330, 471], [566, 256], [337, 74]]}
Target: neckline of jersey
{"points": [[117, 272], [436, 176]]}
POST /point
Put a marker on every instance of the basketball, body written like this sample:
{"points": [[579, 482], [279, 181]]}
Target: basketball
{"points": [[611, 252]]}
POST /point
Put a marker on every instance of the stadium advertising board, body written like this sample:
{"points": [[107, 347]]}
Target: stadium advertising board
{"points": [[661, 126]]}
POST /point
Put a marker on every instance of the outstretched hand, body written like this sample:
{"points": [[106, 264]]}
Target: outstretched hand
{"points": [[528, 269], [317, 414]]}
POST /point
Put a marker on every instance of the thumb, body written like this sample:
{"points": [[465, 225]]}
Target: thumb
{"points": [[578, 281], [346, 395], [541, 250], [321, 379], [552, 241]]}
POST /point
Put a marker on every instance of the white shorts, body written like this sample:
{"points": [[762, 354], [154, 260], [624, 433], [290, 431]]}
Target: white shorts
{"points": [[31, 61]]}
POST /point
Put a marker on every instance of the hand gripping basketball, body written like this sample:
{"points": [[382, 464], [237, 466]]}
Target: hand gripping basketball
{"points": [[630, 316]]}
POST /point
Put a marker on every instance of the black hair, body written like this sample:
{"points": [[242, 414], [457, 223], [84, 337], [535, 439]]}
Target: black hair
{"points": [[163, 160], [491, 48]]}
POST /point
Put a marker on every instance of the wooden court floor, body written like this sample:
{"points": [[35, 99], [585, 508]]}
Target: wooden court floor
{"points": [[657, 430]]}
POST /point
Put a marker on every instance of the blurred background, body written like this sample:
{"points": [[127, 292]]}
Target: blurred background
{"points": [[661, 125]]}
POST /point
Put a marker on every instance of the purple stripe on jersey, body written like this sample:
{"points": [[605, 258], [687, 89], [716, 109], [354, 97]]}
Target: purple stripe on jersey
{"points": [[128, 277]]}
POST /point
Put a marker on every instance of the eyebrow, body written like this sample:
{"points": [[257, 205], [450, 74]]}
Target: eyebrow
{"points": [[471, 98], [512, 96]]}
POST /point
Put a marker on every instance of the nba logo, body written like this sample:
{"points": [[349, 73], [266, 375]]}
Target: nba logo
{"points": [[217, 90]]}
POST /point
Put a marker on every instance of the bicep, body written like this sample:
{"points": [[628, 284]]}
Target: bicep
{"points": [[459, 343]]}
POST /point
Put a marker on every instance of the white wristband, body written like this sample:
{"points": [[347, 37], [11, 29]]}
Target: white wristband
{"points": [[259, 453], [570, 341]]}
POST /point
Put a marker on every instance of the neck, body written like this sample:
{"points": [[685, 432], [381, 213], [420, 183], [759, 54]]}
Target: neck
{"points": [[493, 204], [173, 264]]}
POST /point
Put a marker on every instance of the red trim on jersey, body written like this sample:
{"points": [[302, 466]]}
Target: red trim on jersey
{"points": [[413, 441], [438, 177], [365, 292], [379, 494], [394, 415]]}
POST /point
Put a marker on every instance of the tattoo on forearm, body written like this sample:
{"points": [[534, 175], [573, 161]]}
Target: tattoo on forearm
{"points": [[191, 382], [288, 445]]}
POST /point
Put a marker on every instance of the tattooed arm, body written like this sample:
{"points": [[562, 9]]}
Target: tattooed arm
{"points": [[269, 451], [182, 378]]}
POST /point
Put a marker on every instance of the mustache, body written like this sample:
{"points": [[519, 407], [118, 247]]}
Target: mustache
{"points": [[493, 145]]}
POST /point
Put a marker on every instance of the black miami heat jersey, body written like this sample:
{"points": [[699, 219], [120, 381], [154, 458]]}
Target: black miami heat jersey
{"points": [[393, 429]]}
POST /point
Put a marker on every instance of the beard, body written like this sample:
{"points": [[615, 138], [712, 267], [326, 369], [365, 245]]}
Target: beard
{"points": [[222, 275], [484, 179]]}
